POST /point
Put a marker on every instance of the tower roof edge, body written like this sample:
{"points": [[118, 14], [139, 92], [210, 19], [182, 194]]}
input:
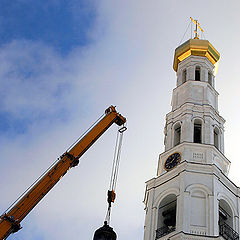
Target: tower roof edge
{"points": [[195, 47]]}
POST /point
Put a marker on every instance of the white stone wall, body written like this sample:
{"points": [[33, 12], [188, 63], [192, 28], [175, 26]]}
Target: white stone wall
{"points": [[198, 188], [197, 92], [185, 115], [196, 153], [199, 181], [190, 64], [185, 236], [194, 100]]}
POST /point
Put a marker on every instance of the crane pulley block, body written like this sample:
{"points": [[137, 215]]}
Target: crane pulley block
{"points": [[15, 224], [74, 160], [111, 196]]}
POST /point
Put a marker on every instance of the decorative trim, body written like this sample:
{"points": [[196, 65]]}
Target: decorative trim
{"points": [[192, 187], [224, 197], [165, 193]]}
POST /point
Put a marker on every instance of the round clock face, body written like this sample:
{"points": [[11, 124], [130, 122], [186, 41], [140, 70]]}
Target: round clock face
{"points": [[172, 161]]}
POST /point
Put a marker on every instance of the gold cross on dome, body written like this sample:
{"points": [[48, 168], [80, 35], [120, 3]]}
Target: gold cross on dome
{"points": [[197, 26]]}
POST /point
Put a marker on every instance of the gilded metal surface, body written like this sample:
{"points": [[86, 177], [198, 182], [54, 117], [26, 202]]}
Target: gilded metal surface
{"points": [[195, 47]]}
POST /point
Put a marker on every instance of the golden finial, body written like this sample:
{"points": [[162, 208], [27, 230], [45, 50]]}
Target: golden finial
{"points": [[197, 26]]}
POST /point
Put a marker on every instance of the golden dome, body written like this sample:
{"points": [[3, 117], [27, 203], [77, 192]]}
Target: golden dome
{"points": [[195, 47]]}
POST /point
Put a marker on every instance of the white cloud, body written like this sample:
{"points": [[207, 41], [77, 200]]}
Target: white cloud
{"points": [[129, 65]]}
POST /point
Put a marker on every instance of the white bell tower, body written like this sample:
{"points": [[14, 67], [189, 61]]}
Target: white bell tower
{"points": [[192, 197]]}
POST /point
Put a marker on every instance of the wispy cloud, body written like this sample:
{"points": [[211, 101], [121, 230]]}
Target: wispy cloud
{"points": [[49, 98]]}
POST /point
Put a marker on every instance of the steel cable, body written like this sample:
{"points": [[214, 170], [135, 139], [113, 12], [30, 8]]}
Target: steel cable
{"points": [[115, 168]]}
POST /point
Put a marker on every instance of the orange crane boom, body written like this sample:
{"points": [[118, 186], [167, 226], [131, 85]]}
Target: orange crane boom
{"points": [[10, 221]]}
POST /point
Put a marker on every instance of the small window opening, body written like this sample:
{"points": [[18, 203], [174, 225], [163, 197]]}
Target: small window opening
{"points": [[216, 138], [197, 134], [210, 78], [197, 74], [177, 134], [167, 216], [184, 77]]}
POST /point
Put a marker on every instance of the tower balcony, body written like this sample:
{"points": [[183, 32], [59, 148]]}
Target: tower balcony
{"points": [[163, 231], [227, 232], [225, 235]]}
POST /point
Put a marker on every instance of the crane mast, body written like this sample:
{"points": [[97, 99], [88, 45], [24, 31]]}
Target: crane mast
{"points": [[10, 221]]}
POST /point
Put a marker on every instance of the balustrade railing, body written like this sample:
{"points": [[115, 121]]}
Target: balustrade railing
{"points": [[227, 232], [224, 230], [162, 231]]}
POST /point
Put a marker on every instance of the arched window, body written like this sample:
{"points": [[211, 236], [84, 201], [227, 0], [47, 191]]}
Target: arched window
{"points": [[184, 76], [225, 221], [177, 134], [197, 131], [167, 216], [216, 137], [197, 73], [210, 78]]}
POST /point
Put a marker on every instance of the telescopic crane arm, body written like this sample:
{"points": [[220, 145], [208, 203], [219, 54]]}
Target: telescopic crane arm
{"points": [[10, 221]]}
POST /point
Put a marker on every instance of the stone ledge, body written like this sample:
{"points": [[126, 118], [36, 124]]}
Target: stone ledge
{"points": [[186, 236], [197, 153]]}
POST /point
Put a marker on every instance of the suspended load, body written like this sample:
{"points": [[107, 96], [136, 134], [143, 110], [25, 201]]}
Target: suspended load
{"points": [[105, 233]]}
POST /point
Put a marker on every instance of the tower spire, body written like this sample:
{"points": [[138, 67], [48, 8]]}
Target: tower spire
{"points": [[196, 29], [191, 197]]}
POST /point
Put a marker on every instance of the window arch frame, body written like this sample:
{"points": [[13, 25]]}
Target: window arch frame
{"points": [[224, 197], [168, 208], [233, 208], [227, 210], [159, 198]]}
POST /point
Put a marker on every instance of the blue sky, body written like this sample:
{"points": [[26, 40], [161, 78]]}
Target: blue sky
{"points": [[61, 24], [62, 63], [53, 26]]}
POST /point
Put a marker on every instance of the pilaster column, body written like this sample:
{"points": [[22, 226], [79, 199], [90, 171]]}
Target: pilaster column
{"points": [[186, 129], [209, 137], [150, 215], [191, 73]]}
